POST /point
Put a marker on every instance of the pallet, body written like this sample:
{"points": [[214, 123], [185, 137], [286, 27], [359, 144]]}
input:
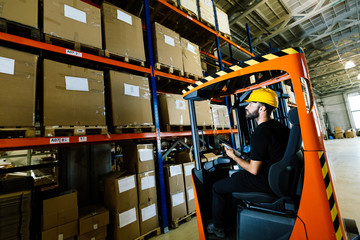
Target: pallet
{"points": [[221, 127], [134, 129], [206, 23], [204, 128], [186, 218], [17, 132], [225, 35], [19, 29], [192, 76], [53, 131], [168, 69], [177, 128], [80, 47], [153, 233], [189, 12], [126, 59]]}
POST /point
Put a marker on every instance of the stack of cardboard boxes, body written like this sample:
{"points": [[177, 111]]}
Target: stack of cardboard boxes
{"points": [[175, 189], [339, 133], [190, 200], [220, 116], [15, 215], [140, 160], [60, 217], [93, 221]]}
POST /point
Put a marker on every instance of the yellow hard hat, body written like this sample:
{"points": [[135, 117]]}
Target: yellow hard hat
{"points": [[264, 95]]}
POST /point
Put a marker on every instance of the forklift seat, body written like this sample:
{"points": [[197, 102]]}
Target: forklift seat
{"points": [[283, 177]]}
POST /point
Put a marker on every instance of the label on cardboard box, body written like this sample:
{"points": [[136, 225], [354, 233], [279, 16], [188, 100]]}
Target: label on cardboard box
{"points": [[126, 184], [127, 217], [61, 236], [7, 65], [147, 182], [131, 90], [191, 48], [190, 193], [169, 40], [188, 169], [76, 84], [177, 199], [145, 155], [175, 170], [148, 212], [122, 16], [180, 104], [95, 226], [208, 2], [74, 14]]}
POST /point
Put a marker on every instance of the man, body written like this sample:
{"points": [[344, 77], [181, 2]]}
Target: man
{"points": [[268, 144]]}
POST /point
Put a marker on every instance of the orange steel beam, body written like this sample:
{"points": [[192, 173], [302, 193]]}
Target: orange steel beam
{"points": [[23, 143], [52, 48], [216, 58], [188, 133], [204, 26], [171, 76]]}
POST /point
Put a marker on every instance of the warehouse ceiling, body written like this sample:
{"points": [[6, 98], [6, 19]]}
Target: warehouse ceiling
{"points": [[328, 30]]}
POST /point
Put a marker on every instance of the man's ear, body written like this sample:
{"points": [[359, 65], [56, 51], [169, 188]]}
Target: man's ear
{"points": [[262, 108]]}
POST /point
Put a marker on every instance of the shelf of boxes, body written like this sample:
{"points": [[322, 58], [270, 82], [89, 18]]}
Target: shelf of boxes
{"points": [[31, 45]]}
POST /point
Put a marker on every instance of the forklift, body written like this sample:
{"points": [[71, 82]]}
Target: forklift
{"points": [[303, 204]]}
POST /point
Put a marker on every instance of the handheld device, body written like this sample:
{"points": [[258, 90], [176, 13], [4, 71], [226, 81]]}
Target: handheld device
{"points": [[237, 153]]}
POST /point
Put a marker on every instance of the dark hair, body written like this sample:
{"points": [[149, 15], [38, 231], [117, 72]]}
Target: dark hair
{"points": [[269, 108]]}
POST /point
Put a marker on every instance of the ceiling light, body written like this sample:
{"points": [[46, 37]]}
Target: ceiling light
{"points": [[349, 64], [359, 76]]}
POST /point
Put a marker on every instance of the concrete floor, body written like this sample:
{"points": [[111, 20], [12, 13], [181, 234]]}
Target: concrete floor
{"points": [[344, 160]]}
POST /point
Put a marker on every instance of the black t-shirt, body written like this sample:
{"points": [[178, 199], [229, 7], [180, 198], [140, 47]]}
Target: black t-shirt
{"points": [[268, 144]]}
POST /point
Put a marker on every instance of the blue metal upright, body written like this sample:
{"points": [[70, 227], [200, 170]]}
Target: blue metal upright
{"points": [[249, 38], [163, 206], [221, 68]]}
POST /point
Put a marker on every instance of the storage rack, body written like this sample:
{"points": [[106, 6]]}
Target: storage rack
{"points": [[39, 142]]}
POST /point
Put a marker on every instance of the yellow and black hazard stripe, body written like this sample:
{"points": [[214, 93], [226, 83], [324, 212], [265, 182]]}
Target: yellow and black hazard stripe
{"points": [[244, 64], [330, 197]]}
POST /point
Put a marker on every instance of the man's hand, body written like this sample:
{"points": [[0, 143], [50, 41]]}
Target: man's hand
{"points": [[230, 153]]}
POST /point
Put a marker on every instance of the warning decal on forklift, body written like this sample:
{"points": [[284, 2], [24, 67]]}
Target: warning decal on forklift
{"points": [[244, 64], [330, 197]]}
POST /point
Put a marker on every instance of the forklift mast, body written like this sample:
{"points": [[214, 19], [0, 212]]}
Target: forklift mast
{"points": [[318, 214]]}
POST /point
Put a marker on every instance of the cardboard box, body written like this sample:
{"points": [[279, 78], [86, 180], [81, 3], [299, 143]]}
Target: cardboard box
{"points": [[120, 192], [211, 156], [350, 133], [130, 99], [187, 168], [60, 210], [92, 218], [123, 33], [139, 158], [173, 110], [191, 58], [220, 116], [183, 156], [167, 47], [339, 135], [174, 179], [146, 187], [124, 225], [64, 231], [177, 208], [338, 130], [206, 11], [97, 234], [17, 92], [24, 12], [291, 94], [223, 21], [203, 113], [73, 95], [148, 215], [190, 5], [190, 200], [74, 20]]}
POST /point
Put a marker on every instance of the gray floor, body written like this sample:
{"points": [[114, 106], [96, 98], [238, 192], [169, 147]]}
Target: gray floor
{"points": [[344, 160]]}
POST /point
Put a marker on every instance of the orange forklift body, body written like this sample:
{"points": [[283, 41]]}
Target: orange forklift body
{"points": [[318, 207]]}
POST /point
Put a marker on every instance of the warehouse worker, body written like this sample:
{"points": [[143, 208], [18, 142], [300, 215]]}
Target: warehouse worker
{"points": [[268, 144]]}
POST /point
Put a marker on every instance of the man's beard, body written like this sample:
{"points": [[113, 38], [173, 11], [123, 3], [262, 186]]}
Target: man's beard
{"points": [[252, 115]]}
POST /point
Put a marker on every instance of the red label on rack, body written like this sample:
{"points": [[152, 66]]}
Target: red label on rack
{"points": [[73, 53], [65, 140], [82, 139]]}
